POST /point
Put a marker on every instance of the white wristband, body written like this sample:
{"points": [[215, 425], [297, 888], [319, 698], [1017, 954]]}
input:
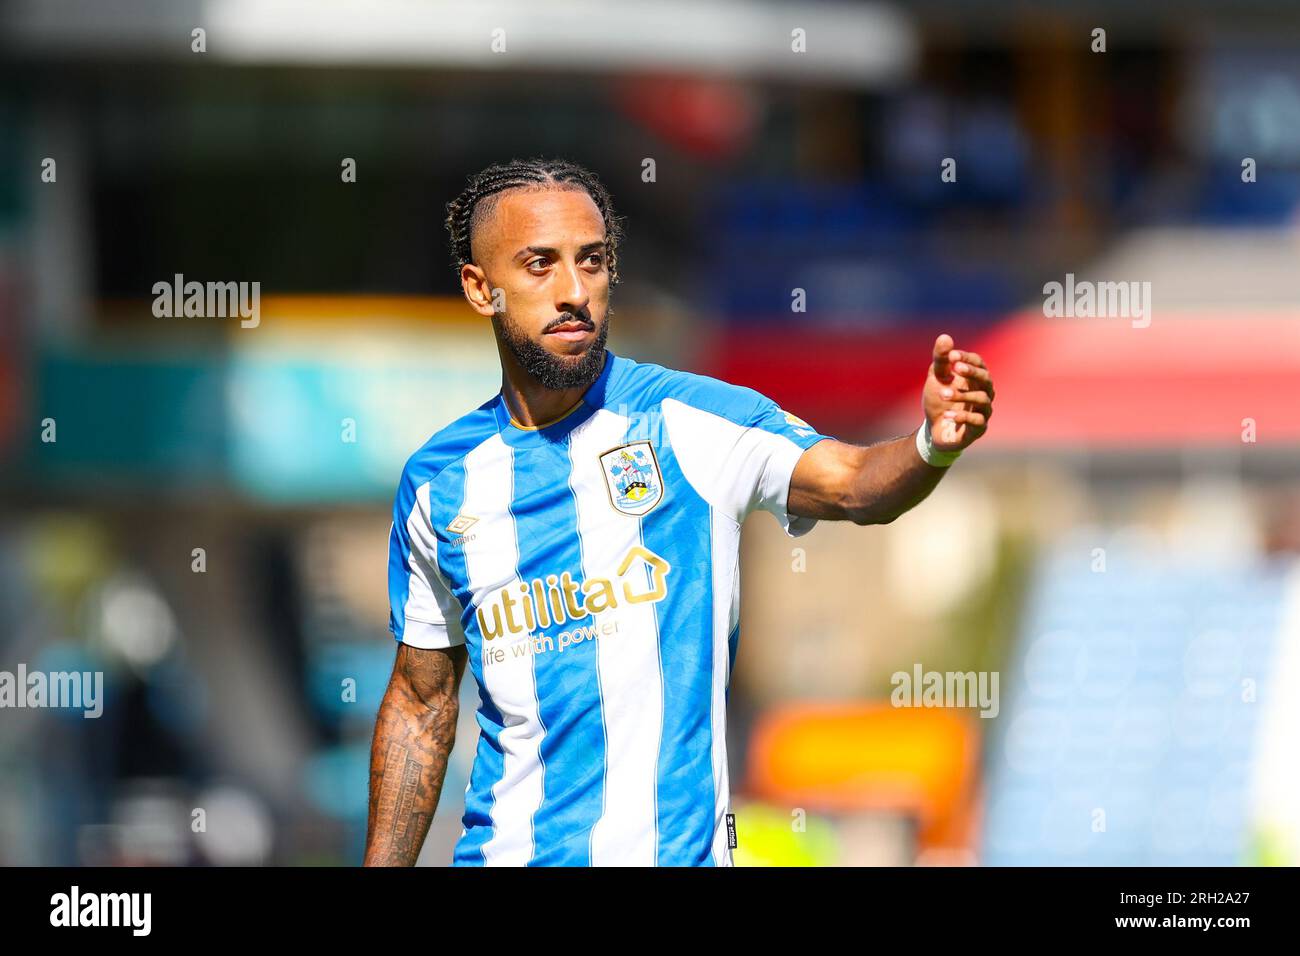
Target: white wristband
{"points": [[929, 454]]}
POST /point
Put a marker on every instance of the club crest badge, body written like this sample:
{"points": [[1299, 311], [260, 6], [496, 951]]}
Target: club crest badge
{"points": [[633, 478]]}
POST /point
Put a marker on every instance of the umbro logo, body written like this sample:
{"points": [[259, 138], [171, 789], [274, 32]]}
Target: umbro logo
{"points": [[462, 524]]}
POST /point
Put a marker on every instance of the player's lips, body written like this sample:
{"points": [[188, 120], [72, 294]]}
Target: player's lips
{"points": [[572, 331]]}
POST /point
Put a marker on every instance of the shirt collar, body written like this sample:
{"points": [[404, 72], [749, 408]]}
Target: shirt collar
{"points": [[592, 399]]}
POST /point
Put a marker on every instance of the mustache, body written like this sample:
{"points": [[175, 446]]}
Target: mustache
{"points": [[569, 317]]}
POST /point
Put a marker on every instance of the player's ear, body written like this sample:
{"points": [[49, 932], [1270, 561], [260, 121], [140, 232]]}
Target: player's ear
{"points": [[478, 291]]}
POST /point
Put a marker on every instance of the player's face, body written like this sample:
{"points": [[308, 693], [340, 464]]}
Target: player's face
{"points": [[545, 252]]}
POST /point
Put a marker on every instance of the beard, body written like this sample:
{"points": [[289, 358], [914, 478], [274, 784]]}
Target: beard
{"points": [[550, 370]]}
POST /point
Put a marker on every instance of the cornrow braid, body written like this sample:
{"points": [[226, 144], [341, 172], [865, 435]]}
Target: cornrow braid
{"points": [[467, 211]]}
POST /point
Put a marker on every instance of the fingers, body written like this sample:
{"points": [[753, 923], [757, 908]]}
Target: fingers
{"points": [[962, 416], [942, 351], [975, 373], [968, 398], [965, 386], [949, 361]]}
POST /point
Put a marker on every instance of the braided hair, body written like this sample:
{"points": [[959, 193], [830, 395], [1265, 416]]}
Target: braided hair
{"points": [[468, 210]]}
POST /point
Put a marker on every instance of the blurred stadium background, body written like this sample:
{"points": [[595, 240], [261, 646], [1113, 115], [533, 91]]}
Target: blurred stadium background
{"points": [[1130, 529]]}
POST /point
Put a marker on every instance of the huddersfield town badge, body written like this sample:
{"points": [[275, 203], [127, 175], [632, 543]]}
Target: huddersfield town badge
{"points": [[633, 478]]}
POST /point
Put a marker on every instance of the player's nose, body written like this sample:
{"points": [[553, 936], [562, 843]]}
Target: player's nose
{"points": [[572, 294]]}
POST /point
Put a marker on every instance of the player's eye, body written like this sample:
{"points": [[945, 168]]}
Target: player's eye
{"points": [[596, 258], [536, 264]]}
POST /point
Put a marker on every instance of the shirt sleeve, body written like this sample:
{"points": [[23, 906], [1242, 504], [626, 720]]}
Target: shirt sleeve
{"points": [[422, 610], [780, 439], [739, 453]]}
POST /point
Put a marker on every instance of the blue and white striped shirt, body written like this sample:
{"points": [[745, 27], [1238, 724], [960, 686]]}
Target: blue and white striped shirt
{"points": [[591, 568]]}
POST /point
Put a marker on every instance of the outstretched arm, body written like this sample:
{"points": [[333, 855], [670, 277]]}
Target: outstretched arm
{"points": [[836, 481], [414, 734]]}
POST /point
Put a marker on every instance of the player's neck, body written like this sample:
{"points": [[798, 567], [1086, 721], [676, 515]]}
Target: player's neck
{"points": [[531, 404]]}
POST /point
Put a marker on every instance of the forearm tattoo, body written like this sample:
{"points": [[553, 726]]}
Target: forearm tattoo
{"points": [[414, 735]]}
